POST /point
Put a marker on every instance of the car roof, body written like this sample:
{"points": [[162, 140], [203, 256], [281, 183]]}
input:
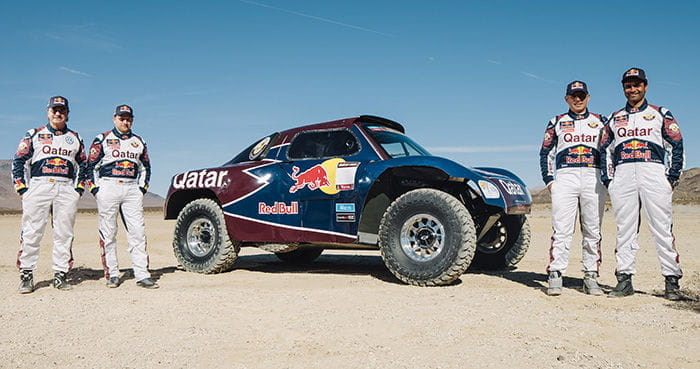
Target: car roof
{"points": [[346, 123]]}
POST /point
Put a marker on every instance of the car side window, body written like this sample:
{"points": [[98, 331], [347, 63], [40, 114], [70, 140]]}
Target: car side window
{"points": [[323, 144]]}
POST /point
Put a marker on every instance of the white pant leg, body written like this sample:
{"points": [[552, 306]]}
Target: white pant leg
{"points": [[624, 196], [108, 198], [592, 206], [36, 203], [565, 193], [656, 194], [132, 210], [65, 205]]}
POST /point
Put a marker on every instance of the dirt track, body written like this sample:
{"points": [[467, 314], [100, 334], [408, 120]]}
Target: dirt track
{"points": [[345, 311]]}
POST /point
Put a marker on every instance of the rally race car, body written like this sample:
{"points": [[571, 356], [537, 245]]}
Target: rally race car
{"points": [[355, 183]]}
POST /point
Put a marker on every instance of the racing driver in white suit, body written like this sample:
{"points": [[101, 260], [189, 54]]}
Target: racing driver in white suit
{"points": [[48, 170], [570, 162], [641, 161], [117, 174]]}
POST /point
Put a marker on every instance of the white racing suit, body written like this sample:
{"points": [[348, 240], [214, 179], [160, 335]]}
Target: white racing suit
{"points": [[642, 155], [120, 163], [55, 162], [570, 161]]}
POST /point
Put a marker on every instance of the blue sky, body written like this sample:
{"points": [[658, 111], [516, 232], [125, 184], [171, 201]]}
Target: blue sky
{"points": [[474, 81]]}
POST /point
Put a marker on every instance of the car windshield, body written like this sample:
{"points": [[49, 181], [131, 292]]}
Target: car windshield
{"points": [[395, 143]]}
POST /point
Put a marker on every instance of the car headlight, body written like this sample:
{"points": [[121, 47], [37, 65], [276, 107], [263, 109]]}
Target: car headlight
{"points": [[489, 190]]}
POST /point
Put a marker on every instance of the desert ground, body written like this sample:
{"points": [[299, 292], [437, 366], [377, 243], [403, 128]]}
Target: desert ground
{"points": [[345, 311]]}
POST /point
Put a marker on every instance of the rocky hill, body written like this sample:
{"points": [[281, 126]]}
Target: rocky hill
{"points": [[9, 201], [687, 192]]}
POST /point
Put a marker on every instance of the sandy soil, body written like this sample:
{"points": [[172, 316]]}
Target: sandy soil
{"points": [[345, 311]]}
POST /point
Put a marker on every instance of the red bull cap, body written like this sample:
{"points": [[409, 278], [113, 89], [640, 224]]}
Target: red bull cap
{"points": [[123, 109], [57, 101], [634, 73]]}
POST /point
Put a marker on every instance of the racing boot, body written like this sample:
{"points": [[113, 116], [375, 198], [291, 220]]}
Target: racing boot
{"points": [[113, 282], [147, 283], [556, 282], [26, 284], [672, 289], [590, 284], [624, 286], [60, 282]]}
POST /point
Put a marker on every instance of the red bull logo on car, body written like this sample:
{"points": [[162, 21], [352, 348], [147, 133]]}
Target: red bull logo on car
{"points": [[314, 178], [330, 176], [278, 208]]}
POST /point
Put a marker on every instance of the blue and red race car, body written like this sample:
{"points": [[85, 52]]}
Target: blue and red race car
{"points": [[355, 183]]}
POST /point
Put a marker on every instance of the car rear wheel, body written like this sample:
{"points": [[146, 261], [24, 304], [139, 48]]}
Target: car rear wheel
{"points": [[201, 243], [304, 255], [504, 245], [427, 238]]}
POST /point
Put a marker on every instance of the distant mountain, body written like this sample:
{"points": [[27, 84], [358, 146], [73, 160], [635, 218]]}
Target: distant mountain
{"points": [[687, 192], [10, 201]]}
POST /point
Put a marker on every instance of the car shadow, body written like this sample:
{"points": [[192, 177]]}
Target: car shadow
{"points": [[325, 264]]}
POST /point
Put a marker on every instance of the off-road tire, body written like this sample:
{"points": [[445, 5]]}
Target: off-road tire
{"points": [[516, 244], [455, 225], [304, 255], [205, 218]]}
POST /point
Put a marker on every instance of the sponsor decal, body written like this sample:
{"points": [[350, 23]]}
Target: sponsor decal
{"points": [[125, 164], [648, 117], [56, 151], [124, 109], [203, 178], [113, 143], [345, 175], [593, 124], [567, 126], [134, 144], [674, 127], [576, 85], [568, 137], [624, 132], [55, 166], [580, 150], [512, 188], [22, 149], [330, 176], [124, 168], [622, 120], [635, 145], [259, 148], [344, 217], [634, 110], [69, 140], [376, 128], [45, 138], [348, 208], [547, 136], [93, 151], [124, 154], [632, 72], [278, 208], [638, 154]]}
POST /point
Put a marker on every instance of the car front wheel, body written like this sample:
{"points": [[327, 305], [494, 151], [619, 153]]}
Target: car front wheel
{"points": [[201, 243], [427, 238]]}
